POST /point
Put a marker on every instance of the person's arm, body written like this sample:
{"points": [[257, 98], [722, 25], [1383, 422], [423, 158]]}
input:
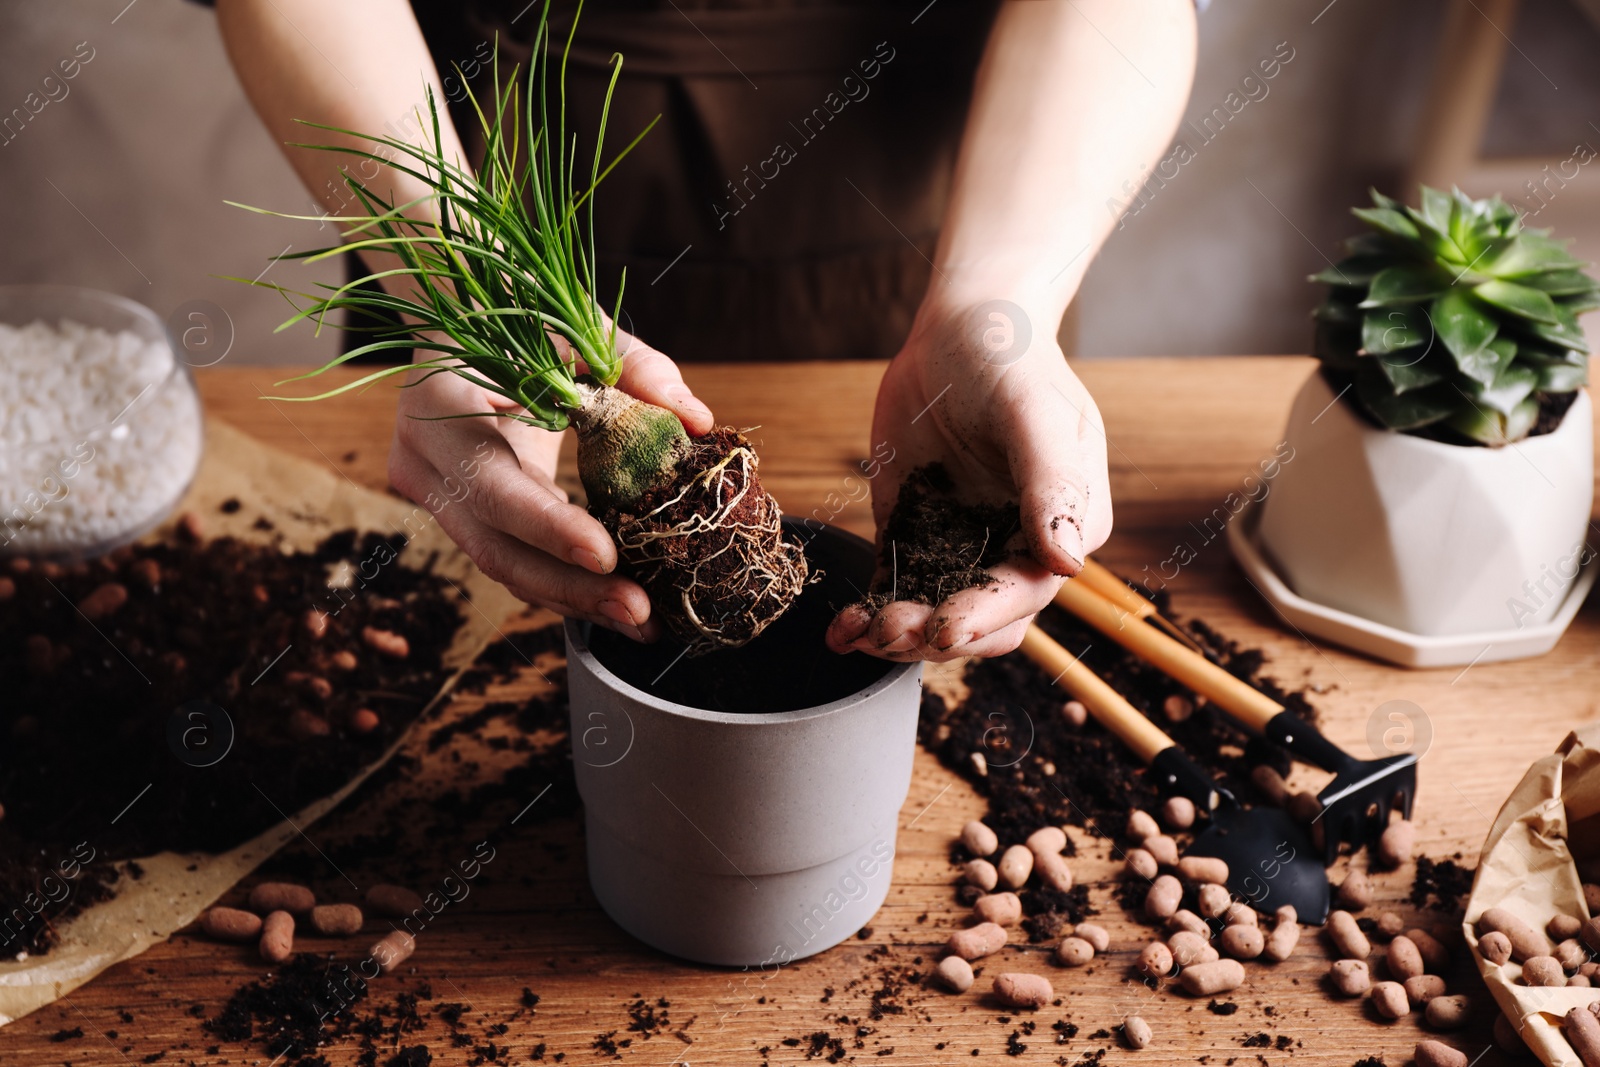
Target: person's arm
{"points": [[1073, 98], [362, 65]]}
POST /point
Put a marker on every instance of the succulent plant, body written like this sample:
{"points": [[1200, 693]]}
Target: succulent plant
{"points": [[1454, 317]]}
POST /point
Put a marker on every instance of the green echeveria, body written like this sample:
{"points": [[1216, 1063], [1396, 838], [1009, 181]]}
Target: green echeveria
{"points": [[1454, 315]]}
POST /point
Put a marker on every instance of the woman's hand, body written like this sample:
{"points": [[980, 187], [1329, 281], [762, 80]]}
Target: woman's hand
{"points": [[490, 482], [986, 392]]}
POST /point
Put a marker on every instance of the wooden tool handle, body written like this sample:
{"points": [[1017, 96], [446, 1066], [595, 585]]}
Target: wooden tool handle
{"points": [[1114, 589], [1250, 706], [1104, 703]]}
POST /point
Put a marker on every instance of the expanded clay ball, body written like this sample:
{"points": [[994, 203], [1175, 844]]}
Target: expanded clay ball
{"points": [[1001, 908], [1390, 924], [336, 920], [955, 973], [1423, 988], [1204, 869], [1270, 784], [977, 941], [1177, 708], [1163, 848], [1430, 1053], [978, 839], [1051, 869], [1074, 952], [1563, 927], [395, 901], [1448, 1013], [1184, 919], [1212, 900], [1355, 892], [1047, 840], [1404, 958], [980, 873], [1397, 843], [1190, 949], [277, 937], [231, 924], [1591, 897], [1016, 864], [1141, 824], [1178, 814], [1543, 971], [1242, 942], [1241, 914], [1141, 864], [1166, 892], [1435, 957], [1075, 712], [1209, 979], [1155, 960], [1136, 1032], [1285, 935], [1525, 940], [1570, 954], [1350, 977], [1495, 947], [282, 896], [1390, 1001], [1347, 937], [1582, 1031], [393, 949], [1024, 990], [1095, 934]]}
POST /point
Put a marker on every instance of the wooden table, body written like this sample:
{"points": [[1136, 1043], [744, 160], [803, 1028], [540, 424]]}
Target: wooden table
{"points": [[1183, 434]]}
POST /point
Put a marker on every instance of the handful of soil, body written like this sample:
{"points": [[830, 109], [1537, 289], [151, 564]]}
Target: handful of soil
{"points": [[935, 545], [186, 697]]}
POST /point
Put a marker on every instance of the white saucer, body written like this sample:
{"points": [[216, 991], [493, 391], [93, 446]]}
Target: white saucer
{"points": [[1386, 642]]}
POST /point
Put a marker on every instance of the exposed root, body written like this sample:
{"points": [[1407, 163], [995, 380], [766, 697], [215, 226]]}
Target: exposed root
{"points": [[709, 548]]}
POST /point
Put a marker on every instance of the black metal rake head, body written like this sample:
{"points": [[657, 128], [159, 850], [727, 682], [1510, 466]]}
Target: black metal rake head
{"points": [[1357, 803]]}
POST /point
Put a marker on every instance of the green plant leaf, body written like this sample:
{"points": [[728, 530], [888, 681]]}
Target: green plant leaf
{"points": [[1511, 388], [1390, 330], [1518, 299], [1410, 411], [1562, 281], [1437, 208], [1387, 220], [1406, 283], [1566, 333], [1530, 253], [1561, 377], [1351, 271], [1495, 428], [1580, 303], [1409, 370], [1488, 364], [1462, 323]]}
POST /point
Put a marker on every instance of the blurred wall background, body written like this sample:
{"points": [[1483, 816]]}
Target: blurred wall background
{"points": [[120, 183]]}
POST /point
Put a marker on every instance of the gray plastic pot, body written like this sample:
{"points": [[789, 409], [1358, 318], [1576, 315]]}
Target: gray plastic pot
{"points": [[743, 839]]}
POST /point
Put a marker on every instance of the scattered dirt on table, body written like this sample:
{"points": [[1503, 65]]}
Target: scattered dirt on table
{"points": [[1440, 884], [934, 545], [170, 696]]}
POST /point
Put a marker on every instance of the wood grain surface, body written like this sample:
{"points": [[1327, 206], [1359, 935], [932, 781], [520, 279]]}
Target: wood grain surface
{"points": [[1183, 434]]}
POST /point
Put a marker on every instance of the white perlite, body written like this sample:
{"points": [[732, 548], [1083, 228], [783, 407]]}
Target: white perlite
{"points": [[98, 436]]}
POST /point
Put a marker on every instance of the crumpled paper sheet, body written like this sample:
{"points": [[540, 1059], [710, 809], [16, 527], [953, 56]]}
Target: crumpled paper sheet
{"points": [[306, 502], [1544, 844]]}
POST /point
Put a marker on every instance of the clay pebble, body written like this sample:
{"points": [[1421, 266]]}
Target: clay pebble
{"points": [[1024, 990]]}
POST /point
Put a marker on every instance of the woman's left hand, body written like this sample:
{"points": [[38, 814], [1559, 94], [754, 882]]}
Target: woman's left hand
{"points": [[985, 391]]}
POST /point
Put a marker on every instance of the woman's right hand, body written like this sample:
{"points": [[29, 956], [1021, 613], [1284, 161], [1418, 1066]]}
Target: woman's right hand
{"points": [[490, 482]]}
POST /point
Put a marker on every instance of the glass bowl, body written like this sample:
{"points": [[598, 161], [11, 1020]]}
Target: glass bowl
{"points": [[100, 426]]}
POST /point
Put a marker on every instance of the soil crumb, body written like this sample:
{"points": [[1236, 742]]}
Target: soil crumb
{"points": [[935, 546]]}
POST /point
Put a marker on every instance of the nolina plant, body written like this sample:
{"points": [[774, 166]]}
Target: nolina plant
{"points": [[501, 265], [1455, 317]]}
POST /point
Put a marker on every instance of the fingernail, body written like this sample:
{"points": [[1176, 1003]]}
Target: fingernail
{"points": [[1067, 537], [589, 561], [617, 611], [689, 403]]}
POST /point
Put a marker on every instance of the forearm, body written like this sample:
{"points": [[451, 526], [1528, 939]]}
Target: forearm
{"points": [[1073, 98], [357, 64]]}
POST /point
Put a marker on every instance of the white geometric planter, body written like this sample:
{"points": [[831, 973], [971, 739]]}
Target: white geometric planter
{"points": [[746, 840], [1423, 537]]}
